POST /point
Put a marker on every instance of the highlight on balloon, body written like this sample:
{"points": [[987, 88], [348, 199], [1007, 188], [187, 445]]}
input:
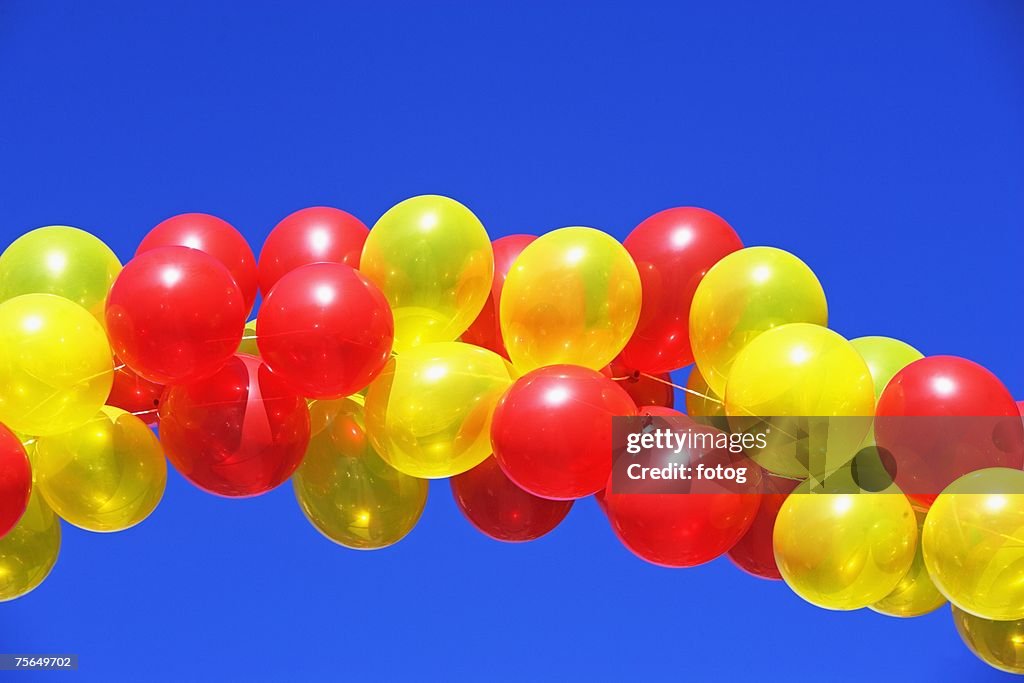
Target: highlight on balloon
{"points": [[530, 372]]}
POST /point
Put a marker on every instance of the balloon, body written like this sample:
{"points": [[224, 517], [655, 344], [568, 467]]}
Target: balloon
{"points": [[572, 296], [325, 329], [29, 551], [319, 234], [915, 594], [704, 405], [213, 236], [107, 475], [498, 508], [175, 315], [349, 493], [55, 364], [794, 380], [134, 394], [941, 417], [432, 259], [671, 527], [673, 250], [755, 552], [747, 292], [15, 480], [59, 260], [999, 644], [248, 345], [885, 357], [971, 543], [552, 431], [844, 551], [644, 389], [323, 411], [239, 432], [486, 329], [429, 413]]}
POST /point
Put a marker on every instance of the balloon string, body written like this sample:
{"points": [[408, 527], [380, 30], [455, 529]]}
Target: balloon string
{"points": [[680, 388]]}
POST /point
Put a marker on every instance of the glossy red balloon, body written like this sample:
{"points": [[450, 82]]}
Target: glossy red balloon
{"points": [[500, 509], [755, 552], [552, 430], [672, 250], [318, 234], [486, 330], [685, 529], [240, 432], [974, 424], [326, 330], [643, 388], [174, 314], [211, 235], [15, 480], [134, 394]]}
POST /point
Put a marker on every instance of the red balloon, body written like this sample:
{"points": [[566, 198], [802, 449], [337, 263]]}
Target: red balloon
{"points": [[1020, 408], [211, 235], [175, 314], [685, 529], [500, 509], [15, 480], [134, 394], [486, 329], [239, 432], [552, 430], [673, 250], [755, 552], [326, 330], [942, 417], [318, 234], [644, 389]]}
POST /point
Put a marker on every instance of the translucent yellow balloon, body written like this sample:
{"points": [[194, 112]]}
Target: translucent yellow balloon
{"points": [[885, 357], [572, 296], [60, 260], [107, 475], [29, 550], [703, 404], [915, 594], [974, 543], [747, 292], [433, 260], [429, 412], [56, 368], [844, 551], [248, 343], [999, 644], [792, 383], [349, 493]]}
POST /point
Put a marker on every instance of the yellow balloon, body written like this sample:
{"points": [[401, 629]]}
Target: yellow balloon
{"points": [[429, 412], [433, 260], [572, 296], [746, 293], [811, 394], [844, 551], [703, 404], [973, 543], [107, 475], [885, 357], [915, 594], [248, 343], [29, 550], [349, 493], [999, 644], [56, 368], [60, 260]]}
